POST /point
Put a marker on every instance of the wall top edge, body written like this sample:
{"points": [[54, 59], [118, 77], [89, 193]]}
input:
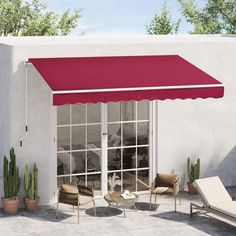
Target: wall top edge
{"points": [[126, 39]]}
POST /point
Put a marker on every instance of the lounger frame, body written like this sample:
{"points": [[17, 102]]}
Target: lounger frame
{"points": [[207, 209]]}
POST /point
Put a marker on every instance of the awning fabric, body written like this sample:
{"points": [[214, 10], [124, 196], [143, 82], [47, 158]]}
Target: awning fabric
{"points": [[125, 78]]}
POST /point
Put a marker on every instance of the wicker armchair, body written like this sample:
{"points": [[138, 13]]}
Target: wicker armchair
{"points": [[164, 184], [75, 195]]}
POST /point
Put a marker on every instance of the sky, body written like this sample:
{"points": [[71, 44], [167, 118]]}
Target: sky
{"points": [[118, 17]]}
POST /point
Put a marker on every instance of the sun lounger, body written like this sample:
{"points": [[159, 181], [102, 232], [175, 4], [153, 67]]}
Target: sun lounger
{"points": [[215, 199]]}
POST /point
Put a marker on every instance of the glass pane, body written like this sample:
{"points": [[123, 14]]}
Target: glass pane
{"points": [[143, 110], [94, 181], [129, 158], [80, 179], [62, 180], [94, 136], [63, 163], [93, 161], [78, 137], [129, 181], [78, 162], [63, 138], [129, 134], [93, 113], [63, 115], [128, 111], [114, 112], [117, 185], [114, 135], [143, 133], [143, 157], [114, 159], [78, 114], [143, 175]]}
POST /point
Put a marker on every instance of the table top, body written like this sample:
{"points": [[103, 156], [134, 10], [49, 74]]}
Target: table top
{"points": [[117, 198]]}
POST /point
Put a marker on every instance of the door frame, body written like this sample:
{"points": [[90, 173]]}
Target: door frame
{"points": [[104, 137]]}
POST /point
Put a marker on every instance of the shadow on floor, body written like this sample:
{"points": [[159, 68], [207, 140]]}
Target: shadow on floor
{"points": [[144, 206], [44, 214], [104, 211], [204, 223]]}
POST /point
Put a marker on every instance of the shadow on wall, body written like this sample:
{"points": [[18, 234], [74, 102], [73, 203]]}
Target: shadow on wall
{"points": [[182, 180], [225, 169]]}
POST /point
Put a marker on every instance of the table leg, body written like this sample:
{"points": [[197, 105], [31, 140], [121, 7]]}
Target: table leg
{"points": [[135, 207]]}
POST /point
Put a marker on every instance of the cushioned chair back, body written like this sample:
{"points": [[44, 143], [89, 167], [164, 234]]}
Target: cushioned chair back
{"points": [[85, 191], [68, 194], [69, 188], [165, 180]]}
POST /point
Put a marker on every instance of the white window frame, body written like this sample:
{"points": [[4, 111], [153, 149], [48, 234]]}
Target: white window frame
{"points": [[104, 168]]}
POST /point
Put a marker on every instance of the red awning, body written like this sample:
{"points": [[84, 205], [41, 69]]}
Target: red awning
{"points": [[125, 78]]}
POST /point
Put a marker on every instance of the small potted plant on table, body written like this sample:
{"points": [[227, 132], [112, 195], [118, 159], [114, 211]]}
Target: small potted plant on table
{"points": [[11, 182], [31, 199], [193, 173]]}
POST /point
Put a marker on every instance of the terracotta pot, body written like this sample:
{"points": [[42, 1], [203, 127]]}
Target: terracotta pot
{"points": [[11, 205], [191, 188], [31, 204]]}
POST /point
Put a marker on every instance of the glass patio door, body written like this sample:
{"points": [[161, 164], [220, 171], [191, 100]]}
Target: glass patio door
{"points": [[128, 144], [94, 141], [79, 145]]}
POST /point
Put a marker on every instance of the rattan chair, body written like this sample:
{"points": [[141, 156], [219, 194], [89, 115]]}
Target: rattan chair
{"points": [[164, 184], [75, 195]]}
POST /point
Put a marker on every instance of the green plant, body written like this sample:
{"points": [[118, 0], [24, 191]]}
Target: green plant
{"points": [[11, 179], [31, 182], [193, 170]]}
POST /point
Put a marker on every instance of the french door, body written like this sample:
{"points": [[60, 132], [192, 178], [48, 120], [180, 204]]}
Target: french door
{"points": [[96, 141]]}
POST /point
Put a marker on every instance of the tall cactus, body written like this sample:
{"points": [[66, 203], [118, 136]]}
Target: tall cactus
{"points": [[31, 182], [193, 170], [11, 179]]}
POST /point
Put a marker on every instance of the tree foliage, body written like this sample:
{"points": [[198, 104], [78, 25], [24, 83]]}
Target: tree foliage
{"points": [[31, 18], [162, 23], [217, 16]]}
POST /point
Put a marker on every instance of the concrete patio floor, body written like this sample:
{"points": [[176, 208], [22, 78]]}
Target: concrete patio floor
{"points": [[160, 220]]}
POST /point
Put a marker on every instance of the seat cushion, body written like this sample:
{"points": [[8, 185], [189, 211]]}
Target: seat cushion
{"points": [[228, 208], [212, 190], [163, 190]]}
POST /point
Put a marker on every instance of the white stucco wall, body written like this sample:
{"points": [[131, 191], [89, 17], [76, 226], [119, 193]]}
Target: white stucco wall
{"points": [[203, 127], [5, 124]]}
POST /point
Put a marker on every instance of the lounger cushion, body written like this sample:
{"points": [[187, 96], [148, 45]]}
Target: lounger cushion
{"points": [[212, 190], [228, 208]]}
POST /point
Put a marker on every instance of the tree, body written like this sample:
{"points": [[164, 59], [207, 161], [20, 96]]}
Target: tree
{"points": [[162, 24], [217, 16], [30, 18]]}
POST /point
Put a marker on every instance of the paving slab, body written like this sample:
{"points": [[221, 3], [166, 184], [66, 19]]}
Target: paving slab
{"points": [[160, 220]]}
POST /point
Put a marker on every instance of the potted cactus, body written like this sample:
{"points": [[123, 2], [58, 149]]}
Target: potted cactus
{"points": [[193, 173], [31, 199], [11, 183]]}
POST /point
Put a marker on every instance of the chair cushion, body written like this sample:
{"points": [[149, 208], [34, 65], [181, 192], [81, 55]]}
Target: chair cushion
{"points": [[69, 188], [165, 180], [163, 190], [228, 208], [212, 190]]}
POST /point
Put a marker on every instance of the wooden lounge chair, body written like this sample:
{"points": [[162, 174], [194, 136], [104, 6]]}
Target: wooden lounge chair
{"points": [[75, 195], [215, 199]]}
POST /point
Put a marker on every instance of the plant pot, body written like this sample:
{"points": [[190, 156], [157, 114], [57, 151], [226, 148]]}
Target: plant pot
{"points": [[191, 188], [11, 206], [31, 204]]}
